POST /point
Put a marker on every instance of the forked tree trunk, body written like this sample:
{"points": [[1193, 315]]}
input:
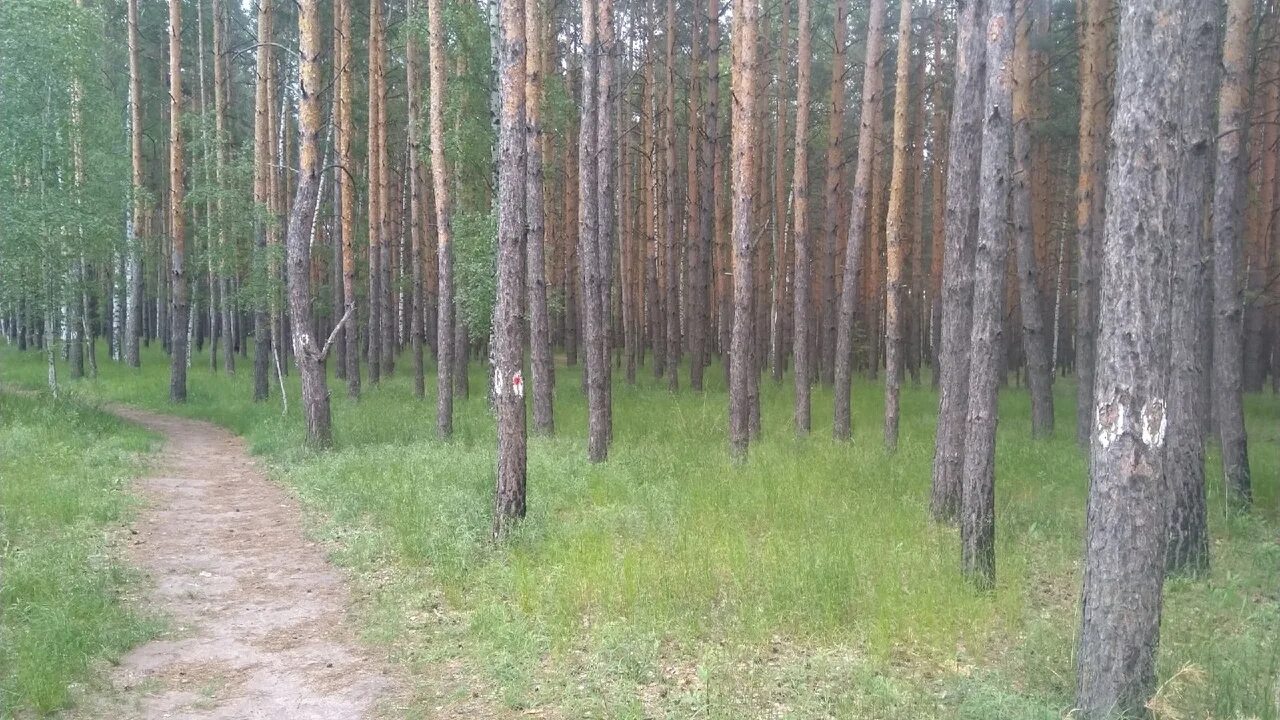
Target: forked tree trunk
{"points": [[986, 343], [965, 150], [1126, 532], [868, 126], [1228, 288]]}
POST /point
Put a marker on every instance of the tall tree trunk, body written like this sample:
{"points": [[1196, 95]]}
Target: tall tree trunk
{"points": [[177, 220], [746, 120], [1126, 532], [224, 264], [1034, 344], [778, 297], [1229, 196], [416, 210], [508, 323], [938, 198], [347, 193], [895, 320], [1089, 199], [800, 342], [375, 193], [978, 524], [137, 201], [309, 354], [542, 364], [964, 153], [828, 339], [262, 326], [709, 153], [868, 125], [672, 246], [589, 241], [606, 95]]}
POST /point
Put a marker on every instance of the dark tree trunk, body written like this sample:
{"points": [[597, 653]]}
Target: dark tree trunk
{"points": [[262, 326], [177, 219], [451, 353], [831, 211], [986, 343], [1034, 343], [539, 323], [1188, 550], [375, 193], [672, 260], [1126, 532], [416, 210], [1228, 289], [965, 150]]}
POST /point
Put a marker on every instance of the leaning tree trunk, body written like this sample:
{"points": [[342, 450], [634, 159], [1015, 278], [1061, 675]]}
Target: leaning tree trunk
{"points": [[1126, 528], [986, 341], [965, 148], [1229, 194], [1034, 344], [868, 126], [800, 191], [177, 219]]}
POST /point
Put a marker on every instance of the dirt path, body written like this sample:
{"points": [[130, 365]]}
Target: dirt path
{"points": [[257, 615]]}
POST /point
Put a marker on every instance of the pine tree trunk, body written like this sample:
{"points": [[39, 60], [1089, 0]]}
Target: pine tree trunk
{"points": [[262, 326], [1126, 527], [672, 257], [1229, 194], [412, 72], [978, 527], [177, 219], [746, 119], [938, 204], [539, 323], [375, 191], [1034, 345], [895, 320], [589, 242], [778, 296], [828, 291], [965, 150], [347, 195], [800, 342], [137, 203], [868, 126]]}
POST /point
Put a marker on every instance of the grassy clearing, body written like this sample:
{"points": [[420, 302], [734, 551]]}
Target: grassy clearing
{"points": [[669, 583], [63, 469]]}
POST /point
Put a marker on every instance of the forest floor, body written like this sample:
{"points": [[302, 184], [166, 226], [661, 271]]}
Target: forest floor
{"points": [[669, 583]]}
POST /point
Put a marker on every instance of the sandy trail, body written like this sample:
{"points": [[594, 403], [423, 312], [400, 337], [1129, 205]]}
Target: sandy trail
{"points": [[258, 627]]}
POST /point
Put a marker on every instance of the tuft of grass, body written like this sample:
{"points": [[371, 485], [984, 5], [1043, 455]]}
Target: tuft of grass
{"points": [[669, 582], [63, 490]]}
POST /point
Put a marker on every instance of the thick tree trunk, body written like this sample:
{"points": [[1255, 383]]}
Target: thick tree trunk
{"points": [[828, 291], [800, 341], [508, 388], [450, 355], [895, 320], [177, 219], [1089, 201], [965, 150], [1034, 344], [746, 120], [309, 354], [868, 126], [1126, 528], [589, 241], [978, 515], [542, 364], [1229, 194]]}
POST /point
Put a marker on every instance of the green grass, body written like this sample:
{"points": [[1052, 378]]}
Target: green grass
{"points": [[668, 582], [63, 473]]}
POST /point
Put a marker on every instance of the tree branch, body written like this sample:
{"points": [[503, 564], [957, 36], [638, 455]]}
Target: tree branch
{"points": [[324, 351]]}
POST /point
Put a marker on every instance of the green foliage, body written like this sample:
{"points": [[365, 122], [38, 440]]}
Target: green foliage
{"points": [[62, 491], [668, 582], [475, 236]]}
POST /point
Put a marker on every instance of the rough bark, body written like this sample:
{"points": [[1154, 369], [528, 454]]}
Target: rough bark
{"points": [[1034, 344], [542, 365], [347, 193], [827, 293], [412, 71], [1089, 196], [709, 151], [450, 356], [964, 152], [375, 192], [672, 257], [307, 351], [262, 329], [1126, 523], [220, 93], [137, 204], [868, 126], [986, 343], [778, 296], [177, 219], [589, 242], [800, 191], [895, 320], [746, 120], [1228, 288], [508, 385]]}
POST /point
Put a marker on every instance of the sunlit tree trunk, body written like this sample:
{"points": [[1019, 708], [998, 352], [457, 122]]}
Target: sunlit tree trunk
{"points": [[177, 219], [137, 202], [262, 326], [895, 320], [542, 363]]}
